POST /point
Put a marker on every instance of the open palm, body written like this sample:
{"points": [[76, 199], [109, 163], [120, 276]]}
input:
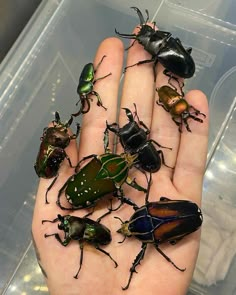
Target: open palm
{"points": [[188, 156]]}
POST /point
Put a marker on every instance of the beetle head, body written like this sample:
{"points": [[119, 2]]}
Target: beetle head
{"points": [[124, 230], [65, 224], [144, 34]]}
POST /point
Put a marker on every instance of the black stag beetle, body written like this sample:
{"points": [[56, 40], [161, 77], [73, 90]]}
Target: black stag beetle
{"points": [[133, 137], [163, 48]]}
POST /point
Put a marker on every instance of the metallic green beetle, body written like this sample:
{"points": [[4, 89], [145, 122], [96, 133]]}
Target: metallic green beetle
{"points": [[103, 176], [82, 230], [85, 87]]}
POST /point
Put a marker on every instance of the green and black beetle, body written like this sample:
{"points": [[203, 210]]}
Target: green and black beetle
{"points": [[85, 88], [82, 230], [103, 176]]}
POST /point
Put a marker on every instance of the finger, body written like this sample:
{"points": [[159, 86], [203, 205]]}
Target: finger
{"points": [[163, 129], [191, 160], [138, 85], [94, 122]]}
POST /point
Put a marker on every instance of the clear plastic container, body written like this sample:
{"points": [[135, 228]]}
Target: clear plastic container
{"points": [[40, 74]]}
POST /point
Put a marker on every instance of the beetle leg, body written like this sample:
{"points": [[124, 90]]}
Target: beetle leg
{"points": [[89, 213], [52, 221], [77, 114], [132, 44], [82, 108], [136, 262], [99, 101], [181, 86], [106, 253], [87, 101], [100, 78], [98, 65], [147, 130], [192, 117], [128, 201], [69, 161], [134, 184], [179, 124], [171, 76], [123, 200], [107, 213], [163, 159], [84, 159], [59, 196], [140, 63], [48, 189], [114, 127], [148, 189], [161, 146], [106, 138], [81, 258], [95, 70], [154, 68], [69, 122], [57, 237], [74, 136], [167, 258], [196, 119], [197, 112], [185, 120]]}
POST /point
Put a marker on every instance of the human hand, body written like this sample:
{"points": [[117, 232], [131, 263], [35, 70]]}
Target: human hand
{"points": [[188, 157]]}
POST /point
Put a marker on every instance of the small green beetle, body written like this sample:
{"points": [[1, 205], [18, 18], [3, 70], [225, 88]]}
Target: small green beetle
{"points": [[85, 87]]}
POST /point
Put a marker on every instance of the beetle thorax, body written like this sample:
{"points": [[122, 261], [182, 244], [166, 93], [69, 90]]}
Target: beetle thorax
{"points": [[129, 158], [180, 107], [124, 230]]}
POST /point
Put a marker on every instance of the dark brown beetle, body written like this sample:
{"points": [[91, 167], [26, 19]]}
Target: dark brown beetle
{"points": [[52, 150]]}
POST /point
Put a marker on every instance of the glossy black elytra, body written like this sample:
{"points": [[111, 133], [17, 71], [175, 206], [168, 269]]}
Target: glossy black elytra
{"points": [[133, 137], [163, 48]]}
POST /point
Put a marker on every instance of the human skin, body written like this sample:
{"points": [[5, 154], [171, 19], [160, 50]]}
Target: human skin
{"points": [[188, 157]]}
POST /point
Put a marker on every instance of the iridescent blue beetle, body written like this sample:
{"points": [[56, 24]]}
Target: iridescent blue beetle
{"points": [[159, 222]]}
